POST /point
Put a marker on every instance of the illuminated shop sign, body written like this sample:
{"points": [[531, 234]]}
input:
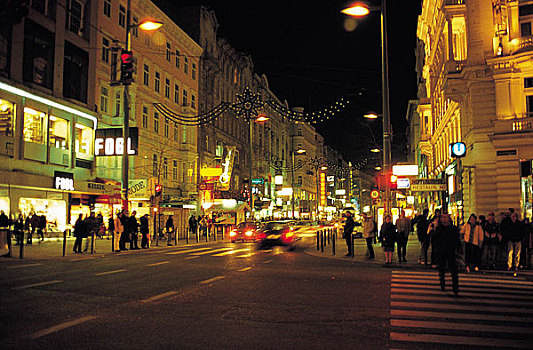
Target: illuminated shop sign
{"points": [[63, 181], [109, 142]]}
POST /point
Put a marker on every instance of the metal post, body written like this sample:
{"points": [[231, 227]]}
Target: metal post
{"points": [[198, 235], [92, 243], [251, 199], [292, 182], [329, 236], [126, 124], [112, 241], [333, 247], [64, 242], [386, 116], [352, 242], [317, 239], [322, 242], [21, 253], [187, 237]]}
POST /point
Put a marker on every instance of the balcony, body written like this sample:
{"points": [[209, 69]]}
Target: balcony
{"points": [[521, 44], [454, 2], [519, 124]]}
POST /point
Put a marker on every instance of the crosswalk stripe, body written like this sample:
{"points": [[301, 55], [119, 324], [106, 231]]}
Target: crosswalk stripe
{"points": [[460, 316], [435, 290], [232, 252], [188, 251], [402, 304], [447, 298], [434, 272], [464, 278], [463, 288], [463, 283], [212, 251], [461, 340], [460, 326]]}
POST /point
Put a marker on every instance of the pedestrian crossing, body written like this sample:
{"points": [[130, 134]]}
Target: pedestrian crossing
{"points": [[236, 252], [490, 312]]}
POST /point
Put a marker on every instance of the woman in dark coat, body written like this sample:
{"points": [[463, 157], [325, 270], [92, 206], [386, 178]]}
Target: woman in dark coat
{"points": [[80, 232], [388, 238]]}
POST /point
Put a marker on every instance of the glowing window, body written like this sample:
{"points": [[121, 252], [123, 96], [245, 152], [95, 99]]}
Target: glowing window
{"points": [[34, 126]]}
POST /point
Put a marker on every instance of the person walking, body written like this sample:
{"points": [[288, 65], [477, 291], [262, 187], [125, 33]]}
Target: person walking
{"points": [[41, 227], [473, 237], [445, 242], [144, 229], [515, 234], [431, 229], [369, 230], [169, 227], [80, 233], [110, 226], [118, 232], [124, 235], [18, 227], [193, 225], [34, 222], [91, 224], [388, 238], [491, 242], [101, 228], [133, 230], [403, 226], [422, 225], [349, 225]]}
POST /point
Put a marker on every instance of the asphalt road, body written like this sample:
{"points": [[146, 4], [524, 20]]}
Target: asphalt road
{"points": [[232, 296]]}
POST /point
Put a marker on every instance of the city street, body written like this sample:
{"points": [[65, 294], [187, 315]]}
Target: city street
{"points": [[232, 296]]}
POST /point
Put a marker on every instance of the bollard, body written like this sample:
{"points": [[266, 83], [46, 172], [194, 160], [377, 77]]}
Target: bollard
{"points": [[21, 253], [215, 235], [197, 235], [92, 243], [352, 242], [329, 236], [64, 242], [187, 237], [317, 239], [322, 242], [333, 244], [206, 234]]}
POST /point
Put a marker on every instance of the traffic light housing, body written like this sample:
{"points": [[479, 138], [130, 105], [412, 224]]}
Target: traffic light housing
{"points": [[393, 182], [126, 67], [158, 190]]}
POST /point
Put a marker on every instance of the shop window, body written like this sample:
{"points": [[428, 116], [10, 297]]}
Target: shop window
{"points": [[55, 211], [84, 138], [59, 132], [75, 73], [38, 59], [34, 126], [7, 118]]}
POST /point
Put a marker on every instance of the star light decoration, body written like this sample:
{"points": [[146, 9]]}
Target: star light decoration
{"points": [[247, 105]]}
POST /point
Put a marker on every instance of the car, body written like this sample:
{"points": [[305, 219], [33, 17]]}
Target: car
{"points": [[279, 233], [246, 231]]}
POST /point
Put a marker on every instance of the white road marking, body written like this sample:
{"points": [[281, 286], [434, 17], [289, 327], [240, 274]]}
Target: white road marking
{"points": [[188, 251], [108, 272], [455, 316], [479, 299], [214, 279], [233, 252], [38, 284], [23, 266], [159, 296], [267, 261], [212, 251], [461, 340], [463, 288], [460, 326], [245, 269], [448, 306], [465, 282], [159, 263], [480, 279], [191, 257], [62, 326]]}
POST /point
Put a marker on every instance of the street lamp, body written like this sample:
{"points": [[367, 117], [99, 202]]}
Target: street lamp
{"points": [[261, 118], [360, 10], [146, 25], [298, 151]]}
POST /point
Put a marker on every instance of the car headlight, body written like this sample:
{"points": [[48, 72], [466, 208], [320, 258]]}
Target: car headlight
{"points": [[232, 233], [249, 233]]}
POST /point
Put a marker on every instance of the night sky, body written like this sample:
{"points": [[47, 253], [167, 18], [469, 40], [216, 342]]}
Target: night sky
{"points": [[311, 60]]}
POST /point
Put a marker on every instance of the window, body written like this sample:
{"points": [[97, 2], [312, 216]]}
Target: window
{"points": [[34, 126], [184, 94], [157, 81], [135, 26], [107, 8], [122, 16], [75, 18], [237, 156], [193, 72], [525, 29], [117, 103], [167, 127], [38, 58], [219, 150], [105, 50], [186, 65], [177, 59], [145, 117], [176, 93], [168, 52], [40, 6], [84, 139], [529, 105], [184, 172], [167, 88], [165, 168], [7, 116], [193, 101], [75, 73], [156, 122], [154, 165], [146, 75], [525, 10], [104, 97], [174, 170], [176, 132], [184, 134], [59, 132]]}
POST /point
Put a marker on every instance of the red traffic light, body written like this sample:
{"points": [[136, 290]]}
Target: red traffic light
{"points": [[393, 182], [127, 57], [158, 188]]}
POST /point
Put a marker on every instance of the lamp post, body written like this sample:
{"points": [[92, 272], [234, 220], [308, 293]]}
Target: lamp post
{"points": [[146, 25], [316, 163], [360, 10], [298, 151], [261, 118]]}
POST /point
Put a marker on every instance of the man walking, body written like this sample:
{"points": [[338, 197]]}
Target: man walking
{"points": [[91, 224], [422, 225], [193, 225], [403, 225], [144, 231], [133, 229], [445, 242], [369, 229], [515, 234], [123, 217], [118, 232], [348, 230], [491, 242], [169, 227]]}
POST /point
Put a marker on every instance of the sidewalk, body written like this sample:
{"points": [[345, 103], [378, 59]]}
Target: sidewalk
{"points": [[52, 248]]}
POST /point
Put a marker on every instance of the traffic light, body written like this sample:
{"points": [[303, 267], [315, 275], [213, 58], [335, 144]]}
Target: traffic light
{"points": [[393, 182], [126, 67], [158, 190]]}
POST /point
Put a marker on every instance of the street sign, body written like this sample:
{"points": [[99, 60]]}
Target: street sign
{"points": [[374, 194], [206, 186], [457, 149], [258, 181], [210, 172], [428, 187], [376, 201], [403, 183]]}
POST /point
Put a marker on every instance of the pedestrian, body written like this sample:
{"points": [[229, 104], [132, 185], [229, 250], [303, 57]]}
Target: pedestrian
{"points": [[4, 220], [80, 232], [515, 234], [118, 232], [41, 227], [110, 226], [349, 225], [445, 242], [91, 224], [431, 229], [403, 225], [133, 229], [124, 235], [169, 227], [18, 227], [101, 228], [527, 244], [34, 222], [143, 228], [388, 238], [491, 242], [193, 225], [422, 225], [369, 230], [473, 237]]}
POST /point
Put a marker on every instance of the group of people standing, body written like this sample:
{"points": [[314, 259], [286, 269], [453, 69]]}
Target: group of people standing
{"points": [[199, 224], [30, 225]]}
